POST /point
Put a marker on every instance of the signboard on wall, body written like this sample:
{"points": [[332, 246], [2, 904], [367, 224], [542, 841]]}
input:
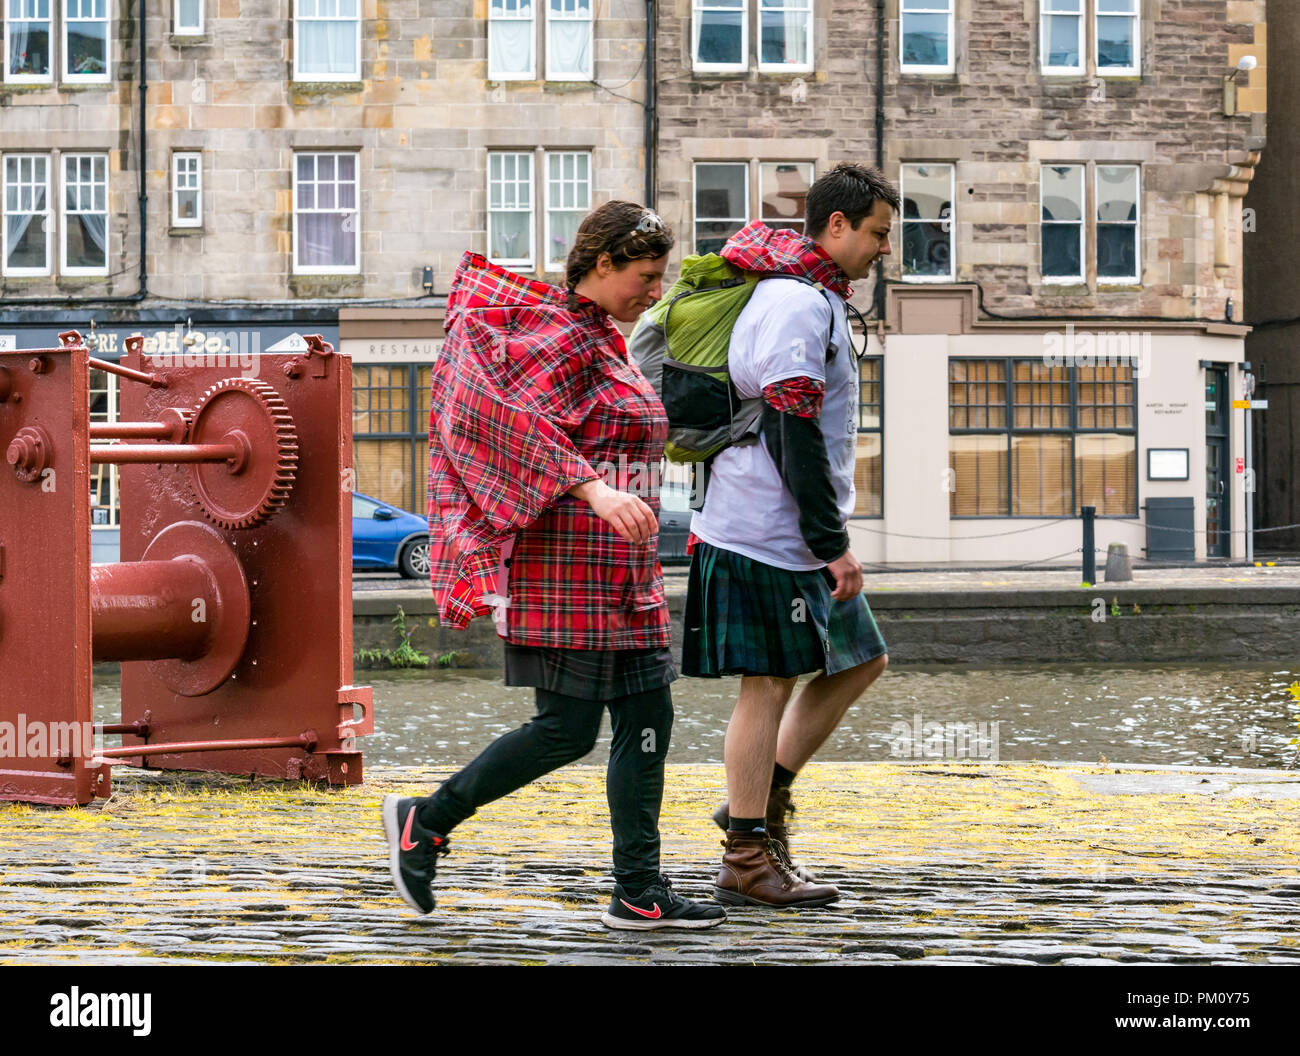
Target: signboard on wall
{"points": [[232, 339], [389, 350]]}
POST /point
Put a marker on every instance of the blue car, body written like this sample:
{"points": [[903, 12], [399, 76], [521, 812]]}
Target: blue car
{"points": [[384, 536]]}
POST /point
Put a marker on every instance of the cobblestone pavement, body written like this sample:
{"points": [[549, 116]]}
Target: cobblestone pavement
{"points": [[941, 863]]}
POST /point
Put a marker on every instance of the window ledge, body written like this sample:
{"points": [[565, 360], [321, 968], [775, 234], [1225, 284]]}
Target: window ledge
{"points": [[25, 282], [183, 40], [323, 88], [1064, 289], [181, 232], [559, 86], [336, 285], [87, 86], [80, 282], [1119, 287], [20, 87]]}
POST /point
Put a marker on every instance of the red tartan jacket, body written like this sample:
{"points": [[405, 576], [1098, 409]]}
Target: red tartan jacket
{"points": [[528, 399]]}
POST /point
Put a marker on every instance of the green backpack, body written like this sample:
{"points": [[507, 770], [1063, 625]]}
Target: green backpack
{"points": [[681, 345]]}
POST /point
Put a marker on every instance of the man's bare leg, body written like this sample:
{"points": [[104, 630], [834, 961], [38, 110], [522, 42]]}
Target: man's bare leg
{"points": [[816, 712], [751, 744]]}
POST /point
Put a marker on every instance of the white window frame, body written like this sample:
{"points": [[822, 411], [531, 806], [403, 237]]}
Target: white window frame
{"points": [[1044, 39], [64, 268], [547, 263], [329, 78], [1120, 280], [114, 479], [697, 8], [806, 65], [29, 78], [951, 220], [1135, 18], [327, 269], [590, 18], [68, 20], [179, 29], [695, 182], [47, 217], [1082, 277], [531, 73], [525, 262], [933, 8], [197, 158]]}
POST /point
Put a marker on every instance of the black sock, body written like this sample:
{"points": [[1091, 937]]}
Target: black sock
{"points": [[746, 825], [781, 777]]}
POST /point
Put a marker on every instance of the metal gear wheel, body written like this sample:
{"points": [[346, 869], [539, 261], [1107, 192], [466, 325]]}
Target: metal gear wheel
{"points": [[250, 414]]}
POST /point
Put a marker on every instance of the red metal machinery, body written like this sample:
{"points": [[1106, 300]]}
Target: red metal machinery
{"points": [[231, 609]]}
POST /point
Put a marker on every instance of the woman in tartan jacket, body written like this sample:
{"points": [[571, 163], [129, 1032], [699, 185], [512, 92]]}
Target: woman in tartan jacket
{"points": [[536, 407]]}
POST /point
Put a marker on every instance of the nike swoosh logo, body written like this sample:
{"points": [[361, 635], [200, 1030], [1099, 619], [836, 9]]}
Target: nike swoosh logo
{"points": [[644, 912], [407, 844]]}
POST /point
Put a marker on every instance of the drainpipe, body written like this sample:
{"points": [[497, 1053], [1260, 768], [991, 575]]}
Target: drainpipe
{"points": [[651, 113], [143, 289], [878, 293]]}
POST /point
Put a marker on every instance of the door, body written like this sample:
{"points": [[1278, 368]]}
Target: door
{"points": [[1218, 500]]}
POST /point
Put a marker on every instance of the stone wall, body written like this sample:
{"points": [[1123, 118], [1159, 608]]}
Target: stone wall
{"points": [[998, 118], [422, 118]]}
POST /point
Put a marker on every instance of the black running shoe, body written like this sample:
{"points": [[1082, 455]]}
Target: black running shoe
{"points": [[659, 906], [413, 852]]}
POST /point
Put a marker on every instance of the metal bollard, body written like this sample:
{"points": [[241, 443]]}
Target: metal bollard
{"points": [[1089, 515]]}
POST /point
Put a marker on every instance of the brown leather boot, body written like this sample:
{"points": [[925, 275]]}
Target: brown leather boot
{"points": [[779, 804], [752, 873]]}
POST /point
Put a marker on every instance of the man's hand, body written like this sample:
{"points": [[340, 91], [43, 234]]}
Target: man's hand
{"points": [[631, 518], [848, 576]]}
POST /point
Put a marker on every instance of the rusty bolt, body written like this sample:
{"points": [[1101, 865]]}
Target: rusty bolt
{"points": [[38, 365], [293, 368], [29, 453]]}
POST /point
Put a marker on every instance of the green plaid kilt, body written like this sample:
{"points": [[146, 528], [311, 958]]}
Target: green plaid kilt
{"points": [[744, 617]]}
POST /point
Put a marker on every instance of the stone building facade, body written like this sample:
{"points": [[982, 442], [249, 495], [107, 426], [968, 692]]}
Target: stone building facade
{"points": [[309, 166], [321, 165], [1063, 163]]}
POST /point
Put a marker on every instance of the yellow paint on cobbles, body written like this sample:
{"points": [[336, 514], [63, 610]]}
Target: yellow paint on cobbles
{"points": [[222, 847]]}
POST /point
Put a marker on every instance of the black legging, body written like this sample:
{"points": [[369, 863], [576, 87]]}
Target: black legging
{"points": [[563, 731]]}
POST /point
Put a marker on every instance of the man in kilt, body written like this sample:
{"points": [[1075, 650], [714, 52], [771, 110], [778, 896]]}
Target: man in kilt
{"points": [[774, 591]]}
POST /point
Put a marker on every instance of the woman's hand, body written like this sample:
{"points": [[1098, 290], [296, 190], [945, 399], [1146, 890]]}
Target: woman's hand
{"points": [[631, 518]]}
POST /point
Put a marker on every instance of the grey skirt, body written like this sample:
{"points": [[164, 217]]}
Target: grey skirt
{"points": [[589, 674]]}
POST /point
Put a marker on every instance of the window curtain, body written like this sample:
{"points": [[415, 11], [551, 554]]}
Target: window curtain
{"points": [[96, 228], [23, 37], [510, 44], [328, 47], [324, 242], [569, 42], [785, 33], [15, 229]]}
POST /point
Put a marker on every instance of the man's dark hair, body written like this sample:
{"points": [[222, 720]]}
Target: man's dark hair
{"points": [[849, 189]]}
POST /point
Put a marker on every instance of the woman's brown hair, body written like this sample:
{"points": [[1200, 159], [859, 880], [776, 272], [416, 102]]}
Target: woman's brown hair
{"points": [[613, 229]]}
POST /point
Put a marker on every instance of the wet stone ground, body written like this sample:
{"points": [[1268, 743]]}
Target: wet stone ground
{"points": [[940, 863]]}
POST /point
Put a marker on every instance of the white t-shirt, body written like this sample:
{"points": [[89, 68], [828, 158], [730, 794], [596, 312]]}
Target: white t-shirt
{"points": [[781, 334]]}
